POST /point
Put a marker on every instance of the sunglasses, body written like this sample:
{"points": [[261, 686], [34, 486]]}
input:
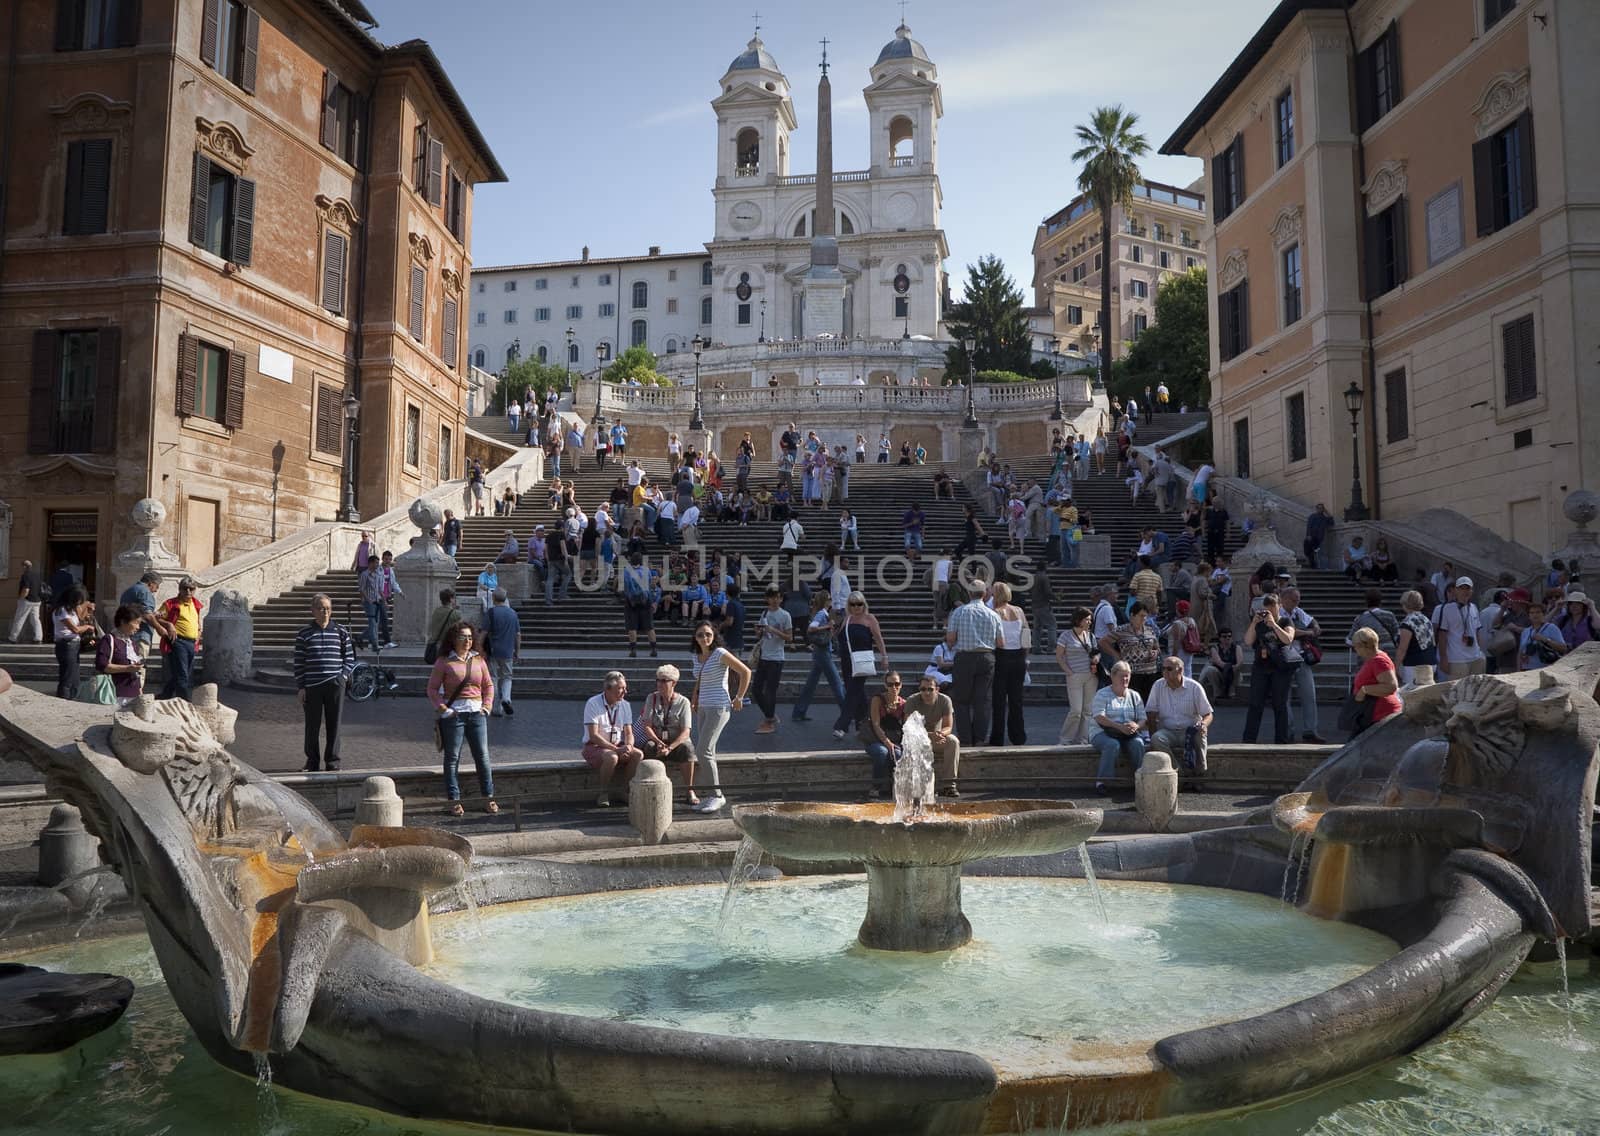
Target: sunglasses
{"points": [[857, 605], [891, 684]]}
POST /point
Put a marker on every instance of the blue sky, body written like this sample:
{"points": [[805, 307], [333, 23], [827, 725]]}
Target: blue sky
{"points": [[599, 112]]}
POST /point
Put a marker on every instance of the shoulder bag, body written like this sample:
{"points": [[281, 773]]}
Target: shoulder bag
{"points": [[438, 734]]}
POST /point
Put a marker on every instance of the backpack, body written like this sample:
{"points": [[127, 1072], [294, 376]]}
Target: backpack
{"points": [[632, 588], [1191, 640]]}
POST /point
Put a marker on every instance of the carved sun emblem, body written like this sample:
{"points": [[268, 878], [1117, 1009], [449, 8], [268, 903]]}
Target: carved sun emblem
{"points": [[1486, 735]]}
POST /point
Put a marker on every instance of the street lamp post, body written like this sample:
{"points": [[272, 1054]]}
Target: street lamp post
{"points": [[1095, 337], [1353, 397], [970, 346], [567, 363], [762, 338], [352, 415], [697, 421], [1056, 415], [599, 384]]}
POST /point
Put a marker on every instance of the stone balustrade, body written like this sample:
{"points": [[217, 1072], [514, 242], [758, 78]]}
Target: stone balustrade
{"points": [[997, 398]]}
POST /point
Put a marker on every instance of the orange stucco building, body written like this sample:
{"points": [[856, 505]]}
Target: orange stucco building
{"points": [[1382, 217], [221, 219]]}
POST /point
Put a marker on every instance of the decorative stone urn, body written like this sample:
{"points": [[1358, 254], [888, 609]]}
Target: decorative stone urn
{"points": [[650, 801], [1155, 789], [1583, 547]]}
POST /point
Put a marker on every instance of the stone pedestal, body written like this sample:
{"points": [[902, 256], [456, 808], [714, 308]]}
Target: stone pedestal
{"points": [[1094, 551], [1262, 547], [972, 440], [67, 849], [229, 638], [147, 553], [1155, 789], [380, 806], [650, 801], [515, 579], [422, 570], [914, 907], [1582, 550]]}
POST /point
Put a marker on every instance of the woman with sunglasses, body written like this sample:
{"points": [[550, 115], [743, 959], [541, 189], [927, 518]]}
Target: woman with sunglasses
{"points": [[886, 718], [462, 694], [713, 662], [860, 640]]}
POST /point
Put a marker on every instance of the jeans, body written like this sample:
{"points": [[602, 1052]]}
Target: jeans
{"points": [[558, 574], [709, 722], [764, 687], [1069, 551], [374, 610], [1311, 550], [1111, 747], [823, 666], [883, 457], [500, 671], [474, 727], [1010, 668], [67, 669], [555, 464], [1268, 686], [323, 703], [180, 669], [1305, 687], [971, 690], [913, 540], [883, 761]]}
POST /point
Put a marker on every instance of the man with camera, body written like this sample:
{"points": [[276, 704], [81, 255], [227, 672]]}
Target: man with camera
{"points": [[1460, 633]]}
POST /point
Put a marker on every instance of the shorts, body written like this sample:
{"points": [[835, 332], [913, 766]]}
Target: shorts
{"points": [[677, 755], [638, 617]]}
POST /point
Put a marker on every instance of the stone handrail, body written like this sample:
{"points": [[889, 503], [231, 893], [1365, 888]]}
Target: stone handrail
{"points": [[993, 398]]}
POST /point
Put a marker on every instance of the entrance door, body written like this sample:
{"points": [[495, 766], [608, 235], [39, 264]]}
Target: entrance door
{"points": [[71, 543], [200, 533]]}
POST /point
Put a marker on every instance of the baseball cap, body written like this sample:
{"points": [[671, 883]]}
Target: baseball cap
{"points": [[1463, 581], [1518, 595]]}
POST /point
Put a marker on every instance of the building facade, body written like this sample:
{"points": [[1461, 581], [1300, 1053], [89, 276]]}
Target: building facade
{"points": [[223, 220], [1385, 228], [1158, 236]]}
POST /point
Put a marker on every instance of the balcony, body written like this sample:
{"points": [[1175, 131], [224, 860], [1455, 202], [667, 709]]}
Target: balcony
{"points": [[904, 161], [1136, 230], [1189, 242], [747, 171], [811, 179]]}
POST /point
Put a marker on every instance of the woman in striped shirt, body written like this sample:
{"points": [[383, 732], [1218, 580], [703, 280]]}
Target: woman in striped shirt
{"points": [[462, 694]]}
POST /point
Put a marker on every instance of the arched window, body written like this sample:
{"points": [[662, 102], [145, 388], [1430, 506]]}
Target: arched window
{"points": [[511, 354], [478, 358], [800, 226], [901, 142], [705, 309], [544, 353], [748, 149], [641, 294], [846, 227], [637, 333], [672, 346], [572, 352], [705, 274]]}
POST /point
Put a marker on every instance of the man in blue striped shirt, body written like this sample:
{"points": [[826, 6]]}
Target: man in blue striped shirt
{"points": [[324, 656], [971, 633]]}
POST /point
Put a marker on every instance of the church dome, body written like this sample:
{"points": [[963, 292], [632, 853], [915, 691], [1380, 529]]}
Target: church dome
{"points": [[902, 46], [756, 57]]}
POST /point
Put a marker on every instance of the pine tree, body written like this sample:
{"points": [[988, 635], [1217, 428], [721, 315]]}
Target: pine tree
{"points": [[991, 314]]}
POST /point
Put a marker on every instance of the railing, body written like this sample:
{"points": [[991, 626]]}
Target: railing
{"points": [[1189, 242], [747, 171], [1136, 230], [906, 160], [995, 398], [811, 179]]}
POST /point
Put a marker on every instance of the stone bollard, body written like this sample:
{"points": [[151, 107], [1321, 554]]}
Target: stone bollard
{"points": [[1155, 789], [650, 801], [422, 571], [67, 849], [380, 805], [229, 638]]}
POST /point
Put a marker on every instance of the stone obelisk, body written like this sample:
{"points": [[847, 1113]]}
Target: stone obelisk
{"points": [[824, 287]]}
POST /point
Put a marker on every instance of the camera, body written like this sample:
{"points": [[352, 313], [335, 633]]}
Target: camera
{"points": [[1469, 641]]}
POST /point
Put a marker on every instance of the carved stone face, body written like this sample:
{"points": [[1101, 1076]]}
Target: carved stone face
{"points": [[1486, 735]]}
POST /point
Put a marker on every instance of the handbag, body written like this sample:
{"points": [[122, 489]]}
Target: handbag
{"points": [[1311, 652], [863, 663], [1503, 642], [100, 690], [1355, 714], [754, 658], [438, 734]]}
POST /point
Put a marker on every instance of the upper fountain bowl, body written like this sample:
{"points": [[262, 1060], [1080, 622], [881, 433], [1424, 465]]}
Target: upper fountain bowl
{"points": [[950, 833]]}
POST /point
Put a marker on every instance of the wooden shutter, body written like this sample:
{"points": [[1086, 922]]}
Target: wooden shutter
{"points": [[1394, 405], [107, 371], [1483, 184], [335, 247], [128, 24], [209, 22], [447, 336], [1392, 63], [1516, 341], [1243, 292], [330, 111], [419, 287], [1219, 186], [69, 32], [251, 52], [1527, 172], [88, 187], [1402, 241], [1366, 90], [233, 404], [1239, 193], [42, 398], [200, 200], [1372, 233], [435, 170], [188, 375], [244, 220], [329, 420], [419, 157]]}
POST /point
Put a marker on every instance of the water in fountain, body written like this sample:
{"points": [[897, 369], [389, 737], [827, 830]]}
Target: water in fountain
{"points": [[745, 863], [268, 1122], [1305, 865], [1094, 884], [913, 773], [469, 904], [98, 870], [1290, 868], [97, 905]]}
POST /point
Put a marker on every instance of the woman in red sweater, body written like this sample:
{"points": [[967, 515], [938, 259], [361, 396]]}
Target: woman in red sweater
{"points": [[462, 694]]}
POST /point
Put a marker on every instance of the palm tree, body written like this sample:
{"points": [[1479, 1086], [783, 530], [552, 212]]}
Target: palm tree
{"points": [[1109, 155]]}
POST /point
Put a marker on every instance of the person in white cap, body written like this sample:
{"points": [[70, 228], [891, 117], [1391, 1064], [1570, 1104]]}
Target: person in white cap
{"points": [[1461, 633]]}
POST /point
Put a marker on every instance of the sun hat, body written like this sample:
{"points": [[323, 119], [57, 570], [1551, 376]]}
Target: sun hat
{"points": [[1463, 581]]}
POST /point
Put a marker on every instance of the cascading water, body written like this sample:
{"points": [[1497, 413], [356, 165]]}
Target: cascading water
{"points": [[98, 903], [745, 863], [913, 773], [1094, 884], [1290, 867], [268, 1120]]}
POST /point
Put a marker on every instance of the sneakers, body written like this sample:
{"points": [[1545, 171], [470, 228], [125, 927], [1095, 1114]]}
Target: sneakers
{"points": [[1314, 739], [603, 800], [633, 652], [391, 643], [653, 654], [710, 804], [800, 718], [838, 734], [507, 705], [767, 727], [949, 791]]}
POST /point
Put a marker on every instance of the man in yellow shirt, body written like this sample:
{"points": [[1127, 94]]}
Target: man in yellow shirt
{"points": [[183, 613], [1146, 584]]}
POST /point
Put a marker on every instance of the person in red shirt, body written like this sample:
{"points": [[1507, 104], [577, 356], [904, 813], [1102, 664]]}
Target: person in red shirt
{"points": [[1376, 682], [182, 614]]}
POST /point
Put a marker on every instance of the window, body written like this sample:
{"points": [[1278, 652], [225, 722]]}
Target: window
{"points": [[1141, 324], [1378, 78], [1097, 262], [575, 281], [73, 372], [672, 275], [705, 274], [419, 300], [705, 309], [1388, 266], [1164, 259], [743, 315], [329, 422], [1136, 254], [511, 315], [511, 285], [481, 287], [1284, 108], [572, 353], [902, 307], [1188, 262], [335, 258], [637, 333], [1079, 271], [1241, 448], [1139, 289], [210, 382], [1503, 176], [1496, 10], [450, 332], [1074, 314], [455, 206], [1396, 416], [606, 311], [88, 201], [222, 214], [544, 353], [427, 164], [1227, 179], [672, 305], [1294, 413], [446, 453], [1516, 341], [230, 37], [483, 318], [343, 112], [1291, 284], [1160, 232], [413, 436], [540, 285], [90, 25], [641, 294], [1233, 322], [672, 346], [479, 357], [574, 311], [604, 280], [541, 315]]}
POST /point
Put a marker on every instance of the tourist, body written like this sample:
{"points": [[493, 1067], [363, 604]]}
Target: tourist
{"points": [[638, 614], [1382, 622], [972, 632], [1542, 643], [1578, 622], [1178, 716], [1414, 644], [1357, 560], [510, 549], [862, 654], [1147, 587], [1375, 689], [972, 532], [619, 440], [72, 631], [882, 733], [1010, 670], [559, 554], [1117, 718], [1318, 525], [938, 720], [1383, 565], [1306, 651], [912, 522], [119, 656], [488, 581], [553, 447], [514, 414], [905, 453], [665, 724], [608, 736], [1138, 644], [861, 444], [1271, 675], [939, 585], [819, 640], [1443, 581], [141, 596], [476, 484], [1077, 656], [441, 621], [884, 446], [461, 692], [1183, 637], [1459, 629], [502, 644], [1214, 519], [775, 629], [365, 551], [29, 601], [941, 664], [450, 534], [1222, 666], [324, 656], [391, 589], [849, 530], [713, 662], [182, 615], [1039, 602], [793, 534]]}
